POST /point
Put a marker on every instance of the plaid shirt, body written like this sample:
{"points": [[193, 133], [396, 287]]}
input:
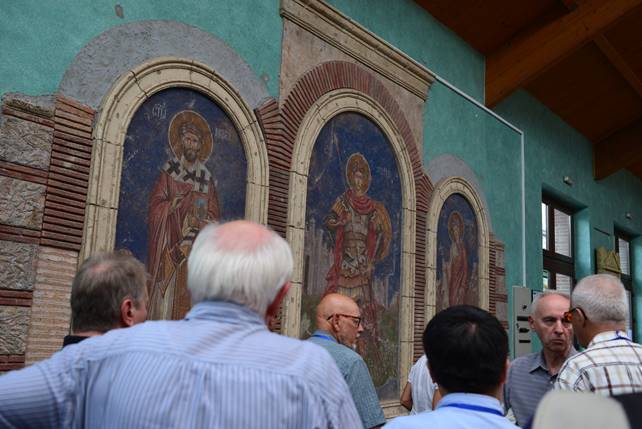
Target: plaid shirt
{"points": [[611, 365]]}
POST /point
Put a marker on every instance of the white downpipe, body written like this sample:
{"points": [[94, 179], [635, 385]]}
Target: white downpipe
{"points": [[523, 178]]}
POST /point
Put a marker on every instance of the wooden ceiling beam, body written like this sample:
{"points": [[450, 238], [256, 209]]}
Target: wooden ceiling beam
{"points": [[622, 150], [524, 58], [619, 63]]}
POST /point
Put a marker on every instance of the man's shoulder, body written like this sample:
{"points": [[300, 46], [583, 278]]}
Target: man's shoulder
{"points": [[524, 363]]}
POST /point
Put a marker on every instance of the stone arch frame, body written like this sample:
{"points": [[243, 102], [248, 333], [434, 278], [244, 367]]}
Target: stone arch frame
{"points": [[327, 107], [118, 107], [444, 189], [282, 124]]}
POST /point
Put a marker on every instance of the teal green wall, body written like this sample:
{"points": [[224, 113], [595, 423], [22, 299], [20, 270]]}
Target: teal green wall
{"points": [[407, 26], [39, 40]]}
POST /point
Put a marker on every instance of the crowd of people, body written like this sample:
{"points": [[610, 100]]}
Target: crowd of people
{"points": [[221, 366]]}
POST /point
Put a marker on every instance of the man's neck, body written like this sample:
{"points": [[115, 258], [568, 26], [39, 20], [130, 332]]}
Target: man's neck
{"points": [[87, 333], [554, 360]]}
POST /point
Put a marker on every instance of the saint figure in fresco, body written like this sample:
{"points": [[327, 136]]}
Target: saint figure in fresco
{"points": [[182, 201], [362, 233], [455, 269]]}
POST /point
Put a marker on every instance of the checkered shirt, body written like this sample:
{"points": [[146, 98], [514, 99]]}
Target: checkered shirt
{"points": [[610, 365]]}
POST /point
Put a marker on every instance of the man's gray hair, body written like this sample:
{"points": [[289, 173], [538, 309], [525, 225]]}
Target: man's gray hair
{"points": [[602, 297], [250, 274], [101, 284], [539, 296]]}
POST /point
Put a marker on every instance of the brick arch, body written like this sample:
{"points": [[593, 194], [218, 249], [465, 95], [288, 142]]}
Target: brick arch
{"points": [[281, 124]]}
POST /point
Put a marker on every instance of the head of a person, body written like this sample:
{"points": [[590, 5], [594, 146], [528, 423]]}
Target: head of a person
{"points": [[241, 262], [191, 140], [548, 322], [467, 350], [340, 316], [598, 303], [109, 291], [358, 174]]}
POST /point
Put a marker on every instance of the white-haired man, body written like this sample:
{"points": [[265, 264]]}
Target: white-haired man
{"points": [[531, 376], [219, 367], [611, 363]]}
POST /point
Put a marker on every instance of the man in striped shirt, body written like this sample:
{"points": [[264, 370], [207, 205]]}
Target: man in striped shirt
{"points": [[219, 367], [611, 363], [531, 376]]}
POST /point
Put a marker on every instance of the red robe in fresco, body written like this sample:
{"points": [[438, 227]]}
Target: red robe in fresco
{"points": [[180, 204]]}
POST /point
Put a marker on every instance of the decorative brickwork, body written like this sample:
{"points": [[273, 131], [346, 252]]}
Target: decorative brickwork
{"points": [[50, 311], [68, 175], [498, 304], [424, 191], [282, 127]]}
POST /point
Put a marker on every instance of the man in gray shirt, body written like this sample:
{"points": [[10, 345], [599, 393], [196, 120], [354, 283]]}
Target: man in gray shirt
{"points": [[339, 325], [531, 376]]}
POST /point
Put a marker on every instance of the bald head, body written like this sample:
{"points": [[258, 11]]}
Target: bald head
{"points": [[340, 316], [239, 261]]}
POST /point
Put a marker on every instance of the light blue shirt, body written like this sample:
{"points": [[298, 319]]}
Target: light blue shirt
{"points": [[459, 411], [355, 372], [218, 368]]}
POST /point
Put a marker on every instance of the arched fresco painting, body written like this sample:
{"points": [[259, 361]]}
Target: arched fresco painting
{"points": [[457, 254], [183, 166], [353, 237]]}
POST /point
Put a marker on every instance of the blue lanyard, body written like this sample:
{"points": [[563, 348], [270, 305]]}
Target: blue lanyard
{"points": [[474, 408], [325, 337]]}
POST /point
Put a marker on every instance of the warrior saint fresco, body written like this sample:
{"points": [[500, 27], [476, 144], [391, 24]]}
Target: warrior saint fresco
{"points": [[182, 201], [352, 244], [362, 232]]}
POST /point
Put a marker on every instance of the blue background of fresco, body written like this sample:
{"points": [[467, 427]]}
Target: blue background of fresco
{"points": [[457, 202], [327, 181], [146, 150]]}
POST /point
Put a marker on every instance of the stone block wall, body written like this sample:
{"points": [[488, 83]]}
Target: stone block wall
{"points": [[45, 153]]}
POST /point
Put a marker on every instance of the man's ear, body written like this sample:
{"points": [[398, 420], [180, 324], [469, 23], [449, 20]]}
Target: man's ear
{"points": [[504, 376], [531, 323], [273, 308], [126, 313]]}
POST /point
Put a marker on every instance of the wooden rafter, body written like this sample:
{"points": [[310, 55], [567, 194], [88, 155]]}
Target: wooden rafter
{"points": [[618, 62], [526, 57], [621, 150]]}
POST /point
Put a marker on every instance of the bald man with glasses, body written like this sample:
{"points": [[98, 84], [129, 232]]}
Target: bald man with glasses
{"points": [[338, 320]]}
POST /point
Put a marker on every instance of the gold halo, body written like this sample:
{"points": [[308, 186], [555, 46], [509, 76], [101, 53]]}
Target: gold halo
{"points": [[455, 216], [355, 163], [192, 118]]}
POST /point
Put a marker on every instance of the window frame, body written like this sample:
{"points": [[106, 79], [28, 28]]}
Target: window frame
{"points": [[553, 262]]}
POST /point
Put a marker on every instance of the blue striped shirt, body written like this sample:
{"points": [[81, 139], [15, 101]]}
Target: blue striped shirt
{"points": [[218, 368], [355, 371]]}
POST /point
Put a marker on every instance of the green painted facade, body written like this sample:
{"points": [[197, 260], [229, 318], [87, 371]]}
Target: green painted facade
{"points": [[39, 40]]}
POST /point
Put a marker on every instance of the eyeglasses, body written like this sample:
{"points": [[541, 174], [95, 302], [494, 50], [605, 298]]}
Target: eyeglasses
{"points": [[356, 319], [568, 315]]}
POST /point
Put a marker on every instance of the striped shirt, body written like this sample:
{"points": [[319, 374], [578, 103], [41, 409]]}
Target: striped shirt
{"points": [[218, 368], [610, 365], [527, 383], [355, 371]]}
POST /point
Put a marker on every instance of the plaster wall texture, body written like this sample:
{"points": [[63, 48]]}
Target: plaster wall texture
{"points": [[303, 51], [115, 52], [34, 62], [407, 26]]}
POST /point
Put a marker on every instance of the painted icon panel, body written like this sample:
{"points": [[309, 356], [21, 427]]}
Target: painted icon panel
{"points": [[353, 238], [183, 166], [457, 254]]}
